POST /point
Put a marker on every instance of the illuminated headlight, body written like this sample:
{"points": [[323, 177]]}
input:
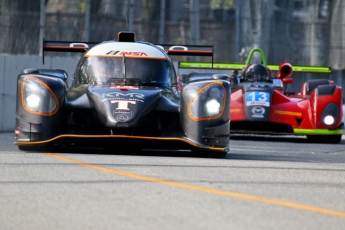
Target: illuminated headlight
{"points": [[330, 114], [329, 120], [208, 101], [38, 98], [213, 107], [33, 101]]}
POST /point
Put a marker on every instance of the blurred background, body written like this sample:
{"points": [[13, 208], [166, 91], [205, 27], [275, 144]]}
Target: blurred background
{"points": [[303, 32]]}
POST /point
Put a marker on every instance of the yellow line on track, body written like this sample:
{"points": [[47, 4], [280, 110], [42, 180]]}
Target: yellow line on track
{"points": [[202, 189]]}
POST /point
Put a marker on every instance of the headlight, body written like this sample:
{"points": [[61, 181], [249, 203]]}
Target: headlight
{"points": [[207, 102], [37, 97], [32, 101], [329, 120], [213, 107]]}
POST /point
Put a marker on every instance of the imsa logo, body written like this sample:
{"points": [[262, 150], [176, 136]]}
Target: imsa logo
{"points": [[120, 53]]}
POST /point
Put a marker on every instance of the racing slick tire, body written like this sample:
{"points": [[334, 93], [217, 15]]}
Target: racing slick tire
{"points": [[330, 139]]}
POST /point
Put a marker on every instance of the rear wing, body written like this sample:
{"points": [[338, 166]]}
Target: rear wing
{"points": [[240, 66], [66, 46], [188, 50], [181, 50]]}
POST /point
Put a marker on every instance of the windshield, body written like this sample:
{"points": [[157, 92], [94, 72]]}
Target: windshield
{"points": [[136, 71]]}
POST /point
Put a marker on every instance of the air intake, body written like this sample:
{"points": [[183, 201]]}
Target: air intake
{"points": [[126, 36]]}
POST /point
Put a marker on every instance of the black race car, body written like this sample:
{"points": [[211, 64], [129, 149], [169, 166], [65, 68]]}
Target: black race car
{"points": [[124, 96]]}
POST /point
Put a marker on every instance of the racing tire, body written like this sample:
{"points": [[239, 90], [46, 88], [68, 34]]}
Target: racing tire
{"points": [[329, 139]]}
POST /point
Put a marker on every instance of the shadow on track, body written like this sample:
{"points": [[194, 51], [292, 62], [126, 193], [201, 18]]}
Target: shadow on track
{"points": [[275, 138]]}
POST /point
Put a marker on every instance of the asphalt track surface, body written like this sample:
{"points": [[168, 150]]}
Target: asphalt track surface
{"points": [[263, 183]]}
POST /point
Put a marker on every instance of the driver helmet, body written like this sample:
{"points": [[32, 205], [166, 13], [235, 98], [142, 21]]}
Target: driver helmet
{"points": [[257, 72]]}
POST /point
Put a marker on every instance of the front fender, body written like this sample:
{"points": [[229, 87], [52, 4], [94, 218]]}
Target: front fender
{"points": [[205, 112]]}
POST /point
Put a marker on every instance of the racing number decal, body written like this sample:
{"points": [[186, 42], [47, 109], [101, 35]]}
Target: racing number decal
{"points": [[258, 98]]}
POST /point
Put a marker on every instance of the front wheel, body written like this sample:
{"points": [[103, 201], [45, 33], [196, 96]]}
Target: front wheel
{"points": [[330, 139]]}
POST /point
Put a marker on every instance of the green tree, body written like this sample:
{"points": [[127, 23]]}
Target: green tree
{"points": [[222, 4], [152, 9], [95, 6]]}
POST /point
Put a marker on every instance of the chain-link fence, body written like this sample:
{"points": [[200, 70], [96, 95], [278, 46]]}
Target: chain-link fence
{"points": [[303, 32]]}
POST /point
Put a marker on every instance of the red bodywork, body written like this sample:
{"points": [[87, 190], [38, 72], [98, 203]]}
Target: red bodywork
{"points": [[299, 114]]}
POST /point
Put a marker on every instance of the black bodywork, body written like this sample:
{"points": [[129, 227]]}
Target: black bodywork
{"points": [[125, 113]]}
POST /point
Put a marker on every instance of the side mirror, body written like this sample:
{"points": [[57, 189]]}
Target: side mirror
{"points": [[287, 80]]}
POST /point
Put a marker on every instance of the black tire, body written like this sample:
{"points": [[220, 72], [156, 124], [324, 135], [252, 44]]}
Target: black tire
{"points": [[329, 139]]}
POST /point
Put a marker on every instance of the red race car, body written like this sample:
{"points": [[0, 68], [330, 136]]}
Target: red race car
{"points": [[261, 105]]}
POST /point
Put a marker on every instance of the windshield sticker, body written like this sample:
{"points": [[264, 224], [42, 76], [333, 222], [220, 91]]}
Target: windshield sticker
{"points": [[258, 98]]}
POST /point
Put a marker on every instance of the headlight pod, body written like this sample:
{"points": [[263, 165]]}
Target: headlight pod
{"points": [[208, 103], [330, 114], [37, 97]]}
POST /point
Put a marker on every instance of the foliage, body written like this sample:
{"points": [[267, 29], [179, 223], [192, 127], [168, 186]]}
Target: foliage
{"points": [[222, 4], [151, 9], [95, 6]]}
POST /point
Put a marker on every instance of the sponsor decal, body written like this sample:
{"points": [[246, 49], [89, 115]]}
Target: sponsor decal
{"points": [[258, 111], [121, 53], [122, 105], [122, 117], [237, 110], [124, 96], [258, 103], [298, 114], [122, 112]]}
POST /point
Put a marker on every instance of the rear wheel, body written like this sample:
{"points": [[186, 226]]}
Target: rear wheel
{"points": [[331, 139]]}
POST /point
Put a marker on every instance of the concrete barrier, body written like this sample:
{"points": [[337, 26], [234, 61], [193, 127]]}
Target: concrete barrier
{"points": [[12, 65], [10, 68]]}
